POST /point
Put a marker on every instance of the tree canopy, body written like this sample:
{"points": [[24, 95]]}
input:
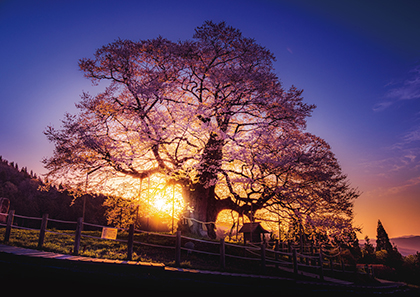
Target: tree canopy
{"points": [[207, 114]]}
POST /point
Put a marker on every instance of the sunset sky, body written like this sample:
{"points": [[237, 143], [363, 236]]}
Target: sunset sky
{"points": [[358, 61]]}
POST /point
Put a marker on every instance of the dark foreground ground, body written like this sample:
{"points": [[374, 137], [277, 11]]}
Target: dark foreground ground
{"points": [[54, 276]]}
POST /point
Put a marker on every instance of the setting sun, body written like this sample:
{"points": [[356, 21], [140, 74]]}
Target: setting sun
{"points": [[164, 200], [159, 204]]}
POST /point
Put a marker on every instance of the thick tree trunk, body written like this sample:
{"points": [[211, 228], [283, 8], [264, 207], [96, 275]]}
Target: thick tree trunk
{"points": [[202, 206], [202, 199], [203, 211]]}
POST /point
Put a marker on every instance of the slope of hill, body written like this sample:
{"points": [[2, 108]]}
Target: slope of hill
{"points": [[22, 189], [406, 245]]}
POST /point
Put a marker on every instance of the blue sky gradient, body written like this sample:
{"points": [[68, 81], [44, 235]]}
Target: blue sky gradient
{"points": [[358, 61]]}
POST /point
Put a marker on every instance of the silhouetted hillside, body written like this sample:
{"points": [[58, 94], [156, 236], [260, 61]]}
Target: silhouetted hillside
{"points": [[22, 189], [407, 245]]}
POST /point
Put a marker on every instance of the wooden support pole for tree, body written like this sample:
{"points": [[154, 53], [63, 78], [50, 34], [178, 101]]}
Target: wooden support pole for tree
{"points": [[321, 265], [263, 257], [295, 263], [130, 242], [312, 253], [42, 230], [343, 267], [78, 236], [9, 226], [178, 249], [331, 264], [301, 242], [222, 254]]}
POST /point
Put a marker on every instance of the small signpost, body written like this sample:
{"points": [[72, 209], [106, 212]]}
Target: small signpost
{"points": [[109, 233]]}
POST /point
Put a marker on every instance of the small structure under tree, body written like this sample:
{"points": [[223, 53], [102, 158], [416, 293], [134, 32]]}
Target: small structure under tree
{"points": [[253, 232]]}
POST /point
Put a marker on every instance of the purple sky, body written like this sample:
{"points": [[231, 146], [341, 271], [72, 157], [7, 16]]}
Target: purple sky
{"points": [[358, 61]]}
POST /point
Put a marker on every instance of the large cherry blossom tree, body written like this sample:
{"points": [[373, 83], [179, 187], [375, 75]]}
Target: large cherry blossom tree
{"points": [[208, 114]]}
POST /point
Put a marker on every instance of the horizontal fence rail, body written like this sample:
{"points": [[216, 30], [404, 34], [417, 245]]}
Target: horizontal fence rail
{"points": [[276, 255]]}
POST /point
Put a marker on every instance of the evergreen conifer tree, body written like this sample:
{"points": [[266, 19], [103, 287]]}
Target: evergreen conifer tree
{"points": [[382, 239], [393, 257]]}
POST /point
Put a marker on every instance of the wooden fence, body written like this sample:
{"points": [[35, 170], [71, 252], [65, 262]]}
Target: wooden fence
{"points": [[279, 256]]}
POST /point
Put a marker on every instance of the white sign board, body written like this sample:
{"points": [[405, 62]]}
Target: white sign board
{"points": [[109, 233]]}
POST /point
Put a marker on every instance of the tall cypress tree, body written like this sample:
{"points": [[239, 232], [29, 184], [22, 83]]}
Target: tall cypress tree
{"points": [[382, 239]]}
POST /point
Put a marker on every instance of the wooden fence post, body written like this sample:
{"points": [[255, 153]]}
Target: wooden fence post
{"points": [[178, 249], [321, 265], [9, 226], [295, 264], [222, 254], [276, 255], [77, 236], [42, 231], [263, 257], [130, 242]]}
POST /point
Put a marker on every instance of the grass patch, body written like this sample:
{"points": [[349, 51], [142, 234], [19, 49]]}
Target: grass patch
{"points": [[114, 250], [94, 247]]}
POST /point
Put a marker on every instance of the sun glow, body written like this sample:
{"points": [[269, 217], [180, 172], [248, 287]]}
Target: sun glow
{"points": [[151, 201], [160, 204], [164, 200]]}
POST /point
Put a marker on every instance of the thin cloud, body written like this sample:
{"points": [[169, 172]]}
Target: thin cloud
{"points": [[413, 135], [382, 106], [407, 89], [400, 161], [410, 88], [413, 182]]}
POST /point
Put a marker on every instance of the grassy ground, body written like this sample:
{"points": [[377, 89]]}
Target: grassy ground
{"points": [[89, 247], [107, 249]]}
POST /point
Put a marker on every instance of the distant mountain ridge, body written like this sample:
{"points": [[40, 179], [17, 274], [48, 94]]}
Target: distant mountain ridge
{"points": [[406, 245]]}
